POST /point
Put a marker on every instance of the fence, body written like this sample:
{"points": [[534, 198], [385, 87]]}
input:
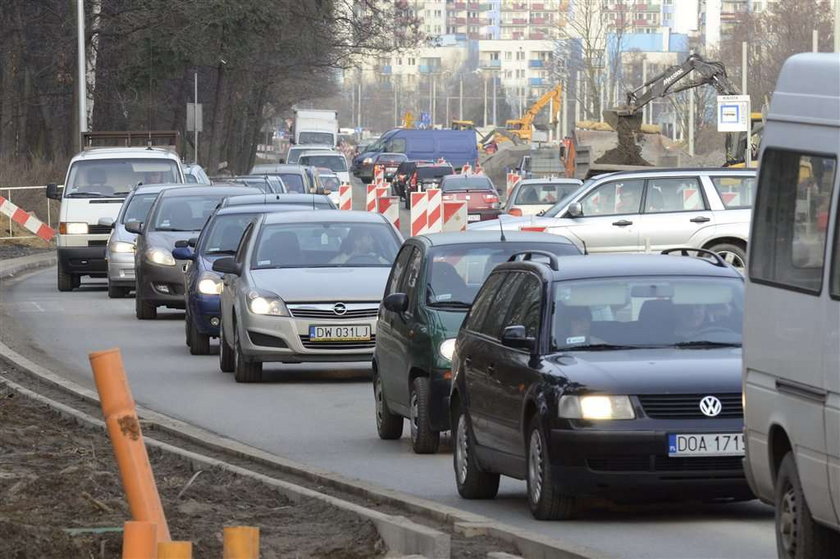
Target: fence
{"points": [[30, 199]]}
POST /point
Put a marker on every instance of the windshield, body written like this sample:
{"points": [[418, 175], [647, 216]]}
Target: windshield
{"points": [[331, 162], [324, 138], [138, 207], [433, 172], [561, 204], [466, 183], [224, 233], [325, 245], [116, 177], [456, 272], [647, 312], [184, 213], [544, 193], [293, 182]]}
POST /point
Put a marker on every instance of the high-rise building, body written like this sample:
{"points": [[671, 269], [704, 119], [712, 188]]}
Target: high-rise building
{"points": [[530, 19]]}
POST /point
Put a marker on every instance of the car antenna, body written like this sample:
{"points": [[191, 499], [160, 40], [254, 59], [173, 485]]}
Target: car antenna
{"points": [[502, 231]]}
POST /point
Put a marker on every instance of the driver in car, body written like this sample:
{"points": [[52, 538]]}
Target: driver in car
{"points": [[359, 247], [691, 319]]}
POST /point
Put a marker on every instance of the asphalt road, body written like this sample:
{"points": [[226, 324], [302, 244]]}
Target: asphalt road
{"points": [[323, 415]]}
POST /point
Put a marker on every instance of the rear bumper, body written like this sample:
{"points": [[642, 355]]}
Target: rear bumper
{"points": [[82, 261], [121, 269], [482, 215]]}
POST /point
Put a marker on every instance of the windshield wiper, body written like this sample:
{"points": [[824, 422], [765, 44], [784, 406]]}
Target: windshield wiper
{"points": [[455, 304], [705, 344], [90, 195], [175, 229], [220, 252], [601, 347]]}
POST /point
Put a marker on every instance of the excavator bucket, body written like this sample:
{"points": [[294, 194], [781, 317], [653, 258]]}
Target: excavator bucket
{"points": [[626, 125], [624, 119]]}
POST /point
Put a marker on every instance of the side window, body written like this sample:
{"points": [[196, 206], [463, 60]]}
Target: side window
{"points": [[412, 276], [791, 219], [483, 302], [735, 192], [612, 198], [525, 308], [397, 145], [396, 277], [494, 322], [674, 195]]}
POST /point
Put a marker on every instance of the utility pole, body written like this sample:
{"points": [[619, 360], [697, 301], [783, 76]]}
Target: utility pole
{"points": [[82, 68], [836, 26], [396, 105], [195, 116], [494, 100], [434, 99], [485, 102], [461, 99], [691, 123], [815, 40], [744, 71], [644, 80], [564, 111]]}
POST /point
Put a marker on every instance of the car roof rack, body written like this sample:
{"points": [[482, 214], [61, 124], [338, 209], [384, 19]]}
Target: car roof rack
{"points": [[527, 256], [699, 253]]}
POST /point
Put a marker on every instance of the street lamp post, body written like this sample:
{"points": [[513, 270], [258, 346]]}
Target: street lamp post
{"points": [[461, 98], [82, 89], [494, 100], [485, 102]]}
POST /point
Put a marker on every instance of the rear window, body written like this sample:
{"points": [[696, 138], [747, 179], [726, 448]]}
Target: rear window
{"points": [[735, 192], [454, 183], [332, 162], [433, 172], [293, 182]]}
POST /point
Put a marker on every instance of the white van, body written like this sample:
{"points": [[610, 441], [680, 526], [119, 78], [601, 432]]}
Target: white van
{"points": [[791, 351], [96, 184]]}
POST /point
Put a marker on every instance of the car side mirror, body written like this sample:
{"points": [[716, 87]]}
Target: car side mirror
{"points": [[135, 227], [227, 266], [181, 243], [192, 242], [52, 192], [182, 252], [515, 337], [106, 221], [575, 209], [396, 302]]}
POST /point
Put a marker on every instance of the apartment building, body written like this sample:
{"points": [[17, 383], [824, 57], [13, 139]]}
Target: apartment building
{"points": [[531, 19]]}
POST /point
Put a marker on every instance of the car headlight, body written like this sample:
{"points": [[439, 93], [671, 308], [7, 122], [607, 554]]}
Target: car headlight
{"points": [[261, 304], [367, 161], [209, 285], [121, 246], [160, 256], [595, 407], [447, 348], [72, 228]]}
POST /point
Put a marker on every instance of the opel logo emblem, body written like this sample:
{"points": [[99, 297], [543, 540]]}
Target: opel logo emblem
{"points": [[340, 309], [710, 406]]}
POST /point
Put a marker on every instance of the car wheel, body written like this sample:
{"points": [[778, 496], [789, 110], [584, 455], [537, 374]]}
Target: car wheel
{"points": [[199, 343], [144, 310], [471, 481], [244, 370], [389, 426], [66, 281], [797, 535], [734, 255], [544, 499], [424, 440], [227, 360], [187, 322], [117, 292]]}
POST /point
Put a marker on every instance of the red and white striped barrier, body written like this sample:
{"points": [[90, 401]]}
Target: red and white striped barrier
{"points": [[466, 169], [512, 179], [345, 197], [382, 191], [379, 175], [731, 198], [389, 206], [478, 169], [454, 216], [691, 199], [419, 213], [28, 221], [370, 197], [435, 219]]}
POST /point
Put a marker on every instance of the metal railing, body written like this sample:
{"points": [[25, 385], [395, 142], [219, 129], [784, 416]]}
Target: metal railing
{"points": [[8, 192]]}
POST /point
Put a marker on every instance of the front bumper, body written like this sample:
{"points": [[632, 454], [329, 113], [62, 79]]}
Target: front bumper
{"points": [[82, 261], [161, 285], [204, 310], [634, 465], [121, 269], [286, 340]]}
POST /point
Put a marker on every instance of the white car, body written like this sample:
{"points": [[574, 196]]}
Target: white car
{"points": [[335, 162], [294, 153], [653, 210], [534, 196]]}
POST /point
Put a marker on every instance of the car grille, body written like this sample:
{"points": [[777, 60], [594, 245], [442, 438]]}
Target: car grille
{"points": [[349, 345], [687, 406], [662, 463], [326, 310], [98, 229]]}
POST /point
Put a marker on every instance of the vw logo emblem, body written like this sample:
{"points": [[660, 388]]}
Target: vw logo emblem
{"points": [[710, 406], [339, 309]]}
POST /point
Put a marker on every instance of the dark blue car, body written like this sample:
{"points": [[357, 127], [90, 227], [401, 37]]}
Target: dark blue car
{"points": [[219, 238]]}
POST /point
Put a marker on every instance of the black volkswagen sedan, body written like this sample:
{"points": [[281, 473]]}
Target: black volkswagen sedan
{"points": [[602, 375]]}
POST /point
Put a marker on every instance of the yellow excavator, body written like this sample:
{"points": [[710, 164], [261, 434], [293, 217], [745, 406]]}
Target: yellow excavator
{"points": [[523, 127]]}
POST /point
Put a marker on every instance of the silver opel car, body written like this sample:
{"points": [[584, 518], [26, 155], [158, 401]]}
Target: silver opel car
{"points": [[304, 286]]}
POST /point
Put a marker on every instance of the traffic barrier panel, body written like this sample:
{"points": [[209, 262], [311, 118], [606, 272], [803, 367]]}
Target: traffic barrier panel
{"points": [[382, 191], [730, 198], [378, 175], [454, 216], [174, 550], [479, 170], [512, 179], [466, 169], [26, 220], [370, 197], [241, 542], [345, 197], [389, 206], [691, 199], [419, 213], [126, 437], [434, 218], [139, 540]]}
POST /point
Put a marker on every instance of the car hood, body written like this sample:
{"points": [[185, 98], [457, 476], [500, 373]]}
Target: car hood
{"points": [[90, 210], [166, 239], [304, 285], [652, 371], [513, 223], [120, 234], [446, 323]]}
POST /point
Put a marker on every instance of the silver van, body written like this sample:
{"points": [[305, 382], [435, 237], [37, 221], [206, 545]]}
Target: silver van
{"points": [[791, 354]]}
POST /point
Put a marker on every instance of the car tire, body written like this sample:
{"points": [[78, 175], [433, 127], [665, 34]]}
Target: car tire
{"points": [[798, 536], [117, 292], [144, 310], [424, 440], [244, 369], [471, 481], [66, 280], [199, 343], [389, 425], [227, 360], [187, 322], [734, 255], [544, 499]]}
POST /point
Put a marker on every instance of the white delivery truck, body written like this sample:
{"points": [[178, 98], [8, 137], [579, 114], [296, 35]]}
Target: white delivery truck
{"points": [[97, 181], [316, 127]]}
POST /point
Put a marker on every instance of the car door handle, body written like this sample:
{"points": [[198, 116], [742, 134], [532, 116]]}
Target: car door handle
{"points": [[700, 219], [622, 223], [467, 360], [491, 369]]}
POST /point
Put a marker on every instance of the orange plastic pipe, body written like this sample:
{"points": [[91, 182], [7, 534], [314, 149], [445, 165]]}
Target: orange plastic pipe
{"points": [[174, 550], [129, 449], [139, 540], [241, 542]]}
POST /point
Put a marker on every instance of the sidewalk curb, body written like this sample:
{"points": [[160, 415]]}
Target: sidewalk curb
{"points": [[16, 266]]}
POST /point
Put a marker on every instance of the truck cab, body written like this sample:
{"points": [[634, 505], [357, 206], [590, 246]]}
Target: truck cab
{"points": [[97, 182]]}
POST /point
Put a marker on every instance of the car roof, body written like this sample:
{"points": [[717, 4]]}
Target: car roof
{"points": [[552, 180], [125, 153], [627, 265], [490, 236], [326, 216], [325, 154], [457, 177], [258, 208], [147, 188], [278, 198], [223, 189], [657, 171]]}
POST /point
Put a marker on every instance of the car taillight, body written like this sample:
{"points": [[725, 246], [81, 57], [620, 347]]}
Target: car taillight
{"points": [[490, 198], [515, 211], [413, 181]]}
